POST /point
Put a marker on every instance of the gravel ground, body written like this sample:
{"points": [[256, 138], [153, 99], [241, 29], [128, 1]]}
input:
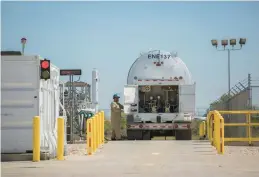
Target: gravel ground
{"points": [[242, 151], [76, 149]]}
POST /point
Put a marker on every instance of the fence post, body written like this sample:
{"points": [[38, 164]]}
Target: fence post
{"points": [[89, 136], [36, 139], [60, 139]]}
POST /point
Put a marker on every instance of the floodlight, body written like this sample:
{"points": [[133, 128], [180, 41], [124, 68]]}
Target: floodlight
{"points": [[214, 42], [242, 41], [224, 42], [233, 42]]}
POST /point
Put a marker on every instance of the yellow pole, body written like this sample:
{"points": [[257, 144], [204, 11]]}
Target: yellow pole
{"points": [[89, 136], [97, 129], [222, 136], [94, 134], [202, 129], [208, 125], [102, 128], [36, 139], [217, 132], [249, 129], [205, 128], [60, 145]]}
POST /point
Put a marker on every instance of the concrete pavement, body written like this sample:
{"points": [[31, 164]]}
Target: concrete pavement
{"points": [[143, 158]]}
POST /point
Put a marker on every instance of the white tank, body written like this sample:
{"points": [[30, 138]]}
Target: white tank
{"points": [[158, 64]]}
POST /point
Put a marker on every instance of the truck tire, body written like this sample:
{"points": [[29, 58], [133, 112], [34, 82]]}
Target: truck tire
{"points": [[134, 135], [183, 134], [146, 135]]}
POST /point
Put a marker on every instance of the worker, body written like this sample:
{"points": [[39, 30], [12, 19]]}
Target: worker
{"points": [[116, 109]]}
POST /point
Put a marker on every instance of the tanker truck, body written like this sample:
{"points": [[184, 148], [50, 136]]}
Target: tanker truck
{"points": [[159, 98]]}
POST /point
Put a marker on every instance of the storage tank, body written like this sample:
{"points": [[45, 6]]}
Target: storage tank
{"points": [[171, 66]]}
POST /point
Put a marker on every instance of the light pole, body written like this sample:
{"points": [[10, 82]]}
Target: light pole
{"points": [[228, 47]]}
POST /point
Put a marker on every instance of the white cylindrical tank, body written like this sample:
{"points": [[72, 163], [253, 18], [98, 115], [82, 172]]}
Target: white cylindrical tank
{"points": [[158, 64], [95, 83]]}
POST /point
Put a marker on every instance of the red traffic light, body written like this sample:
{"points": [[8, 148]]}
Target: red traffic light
{"points": [[45, 64]]}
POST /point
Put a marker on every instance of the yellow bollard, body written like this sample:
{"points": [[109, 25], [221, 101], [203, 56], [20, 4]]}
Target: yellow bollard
{"points": [[36, 139], [89, 136], [102, 127], [202, 129], [222, 136], [217, 132], [248, 118], [94, 134], [60, 133], [97, 130], [212, 128]]}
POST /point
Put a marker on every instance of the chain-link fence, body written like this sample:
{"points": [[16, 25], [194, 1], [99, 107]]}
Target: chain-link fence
{"points": [[243, 96]]}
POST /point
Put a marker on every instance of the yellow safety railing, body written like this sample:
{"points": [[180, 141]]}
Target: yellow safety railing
{"points": [[216, 125], [248, 124], [95, 132]]}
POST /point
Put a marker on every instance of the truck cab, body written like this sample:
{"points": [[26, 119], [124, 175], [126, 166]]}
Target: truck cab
{"points": [[159, 98]]}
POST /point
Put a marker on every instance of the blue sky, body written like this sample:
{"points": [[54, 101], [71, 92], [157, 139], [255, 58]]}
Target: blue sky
{"points": [[110, 35]]}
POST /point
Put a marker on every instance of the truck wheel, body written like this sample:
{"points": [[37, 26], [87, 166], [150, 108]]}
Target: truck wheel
{"points": [[183, 134], [146, 135], [178, 135], [134, 134], [188, 134]]}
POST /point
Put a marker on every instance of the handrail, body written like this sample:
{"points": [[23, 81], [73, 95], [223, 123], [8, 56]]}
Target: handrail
{"points": [[215, 128]]}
